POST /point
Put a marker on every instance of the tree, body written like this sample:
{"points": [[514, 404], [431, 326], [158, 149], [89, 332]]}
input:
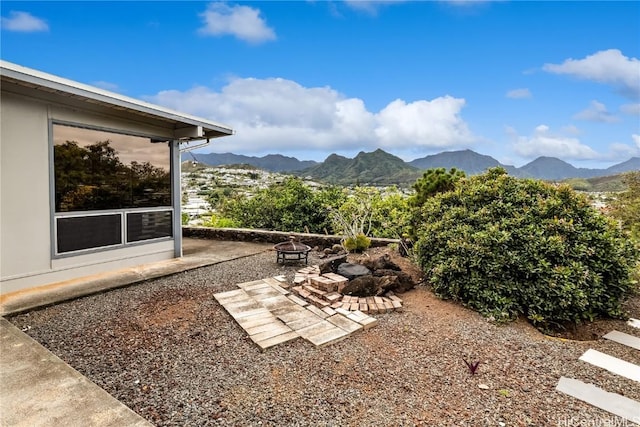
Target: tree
{"points": [[508, 247], [626, 206], [434, 181]]}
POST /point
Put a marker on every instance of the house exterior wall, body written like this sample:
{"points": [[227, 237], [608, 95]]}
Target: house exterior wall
{"points": [[26, 234]]}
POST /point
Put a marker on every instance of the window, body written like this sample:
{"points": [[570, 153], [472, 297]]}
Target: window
{"points": [[99, 170], [110, 188]]}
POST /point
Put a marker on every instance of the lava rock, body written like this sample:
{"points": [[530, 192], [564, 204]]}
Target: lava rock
{"points": [[330, 265], [382, 262], [398, 281]]}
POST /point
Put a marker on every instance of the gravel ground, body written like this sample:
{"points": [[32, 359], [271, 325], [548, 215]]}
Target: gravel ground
{"points": [[169, 351]]}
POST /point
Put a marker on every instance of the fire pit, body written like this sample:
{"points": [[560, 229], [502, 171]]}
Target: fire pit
{"points": [[291, 251]]}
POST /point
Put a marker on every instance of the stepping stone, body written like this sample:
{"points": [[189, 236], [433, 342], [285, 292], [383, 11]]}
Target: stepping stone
{"points": [[298, 300], [273, 331], [625, 339], [265, 292], [247, 284], [345, 324], [304, 322], [634, 322], [611, 402], [279, 339], [254, 321], [612, 364], [274, 325], [328, 337], [277, 302], [318, 328], [296, 313], [229, 294]]}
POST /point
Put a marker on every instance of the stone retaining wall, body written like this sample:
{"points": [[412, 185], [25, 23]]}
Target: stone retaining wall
{"points": [[253, 235]]}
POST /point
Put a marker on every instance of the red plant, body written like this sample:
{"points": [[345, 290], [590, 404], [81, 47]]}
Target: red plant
{"points": [[473, 366]]}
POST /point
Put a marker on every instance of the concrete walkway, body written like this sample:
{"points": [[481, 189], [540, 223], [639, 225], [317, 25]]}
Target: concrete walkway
{"points": [[39, 389]]}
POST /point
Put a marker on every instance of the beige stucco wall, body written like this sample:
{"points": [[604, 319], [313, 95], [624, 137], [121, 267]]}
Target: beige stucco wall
{"points": [[25, 223]]}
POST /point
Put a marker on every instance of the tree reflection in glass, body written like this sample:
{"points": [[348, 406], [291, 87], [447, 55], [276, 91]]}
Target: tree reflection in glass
{"points": [[98, 170]]}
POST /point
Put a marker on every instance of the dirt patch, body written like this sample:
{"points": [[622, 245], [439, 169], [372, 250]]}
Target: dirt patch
{"points": [[175, 308]]}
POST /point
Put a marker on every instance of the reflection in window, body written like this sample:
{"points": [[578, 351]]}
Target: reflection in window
{"points": [[100, 170]]}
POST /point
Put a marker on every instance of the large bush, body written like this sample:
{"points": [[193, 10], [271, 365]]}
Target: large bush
{"points": [[508, 247], [288, 206]]}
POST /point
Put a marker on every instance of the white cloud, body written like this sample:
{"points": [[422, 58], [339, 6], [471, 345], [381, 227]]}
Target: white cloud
{"points": [[519, 93], [596, 112], [606, 66], [23, 22], [279, 115], [543, 143], [435, 123], [243, 22], [636, 139], [632, 109]]}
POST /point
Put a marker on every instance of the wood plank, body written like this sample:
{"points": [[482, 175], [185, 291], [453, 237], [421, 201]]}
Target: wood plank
{"points": [[625, 339], [612, 364], [611, 402]]}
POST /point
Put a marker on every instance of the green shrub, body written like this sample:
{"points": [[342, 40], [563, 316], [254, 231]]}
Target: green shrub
{"points": [[290, 206], [215, 221], [358, 243], [626, 205], [508, 247]]}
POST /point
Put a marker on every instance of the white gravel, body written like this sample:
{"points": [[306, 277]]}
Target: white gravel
{"points": [[169, 351]]}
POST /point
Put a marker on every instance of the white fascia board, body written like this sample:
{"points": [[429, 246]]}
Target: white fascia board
{"points": [[55, 83]]}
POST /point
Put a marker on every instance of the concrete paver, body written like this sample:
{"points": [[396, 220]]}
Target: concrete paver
{"points": [[611, 402], [283, 316], [625, 339]]}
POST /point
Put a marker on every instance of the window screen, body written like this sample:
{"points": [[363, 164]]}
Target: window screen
{"points": [[85, 232], [148, 225]]}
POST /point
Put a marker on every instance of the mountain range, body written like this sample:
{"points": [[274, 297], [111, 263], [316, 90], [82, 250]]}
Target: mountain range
{"points": [[382, 168]]}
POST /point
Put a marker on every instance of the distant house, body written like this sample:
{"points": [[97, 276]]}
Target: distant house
{"points": [[89, 179]]}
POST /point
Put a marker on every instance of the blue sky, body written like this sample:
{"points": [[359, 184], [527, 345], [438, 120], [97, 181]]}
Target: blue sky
{"points": [[512, 79]]}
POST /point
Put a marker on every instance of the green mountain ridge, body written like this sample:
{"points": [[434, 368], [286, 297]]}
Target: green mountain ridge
{"points": [[375, 168]]}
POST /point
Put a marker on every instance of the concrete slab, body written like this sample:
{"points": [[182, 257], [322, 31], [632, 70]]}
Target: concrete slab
{"points": [[316, 329], [276, 302], [254, 321], [634, 322], [196, 253], [296, 313], [624, 339], [612, 364], [274, 331], [611, 402], [39, 389], [271, 326], [298, 300], [270, 342], [304, 322], [345, 324], [331, 336]]}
